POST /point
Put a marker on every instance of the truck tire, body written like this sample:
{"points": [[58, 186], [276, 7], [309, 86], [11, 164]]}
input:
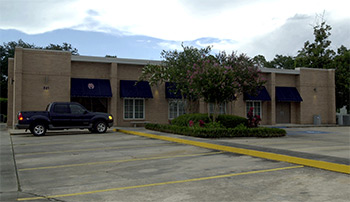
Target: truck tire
{"points": [[38, 129], [100, 127]]}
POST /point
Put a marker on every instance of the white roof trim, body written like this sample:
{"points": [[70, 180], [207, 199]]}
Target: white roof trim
{"points": [[80, 58], [280, 71]]}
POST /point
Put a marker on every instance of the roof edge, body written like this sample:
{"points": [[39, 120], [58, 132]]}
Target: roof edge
{"points": [[280, 71], [80, 58]]}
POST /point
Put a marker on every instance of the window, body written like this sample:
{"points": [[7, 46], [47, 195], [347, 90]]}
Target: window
{"points": [[92, 104], [134, 108], [222, 108], [77, 109], [176, 108], [61, 109], [256, 105]]}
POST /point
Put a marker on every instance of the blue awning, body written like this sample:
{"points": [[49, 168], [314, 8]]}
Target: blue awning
{"points": [[262, 95], [170, 91], [90, 88], [288, 94], [135, 89]]}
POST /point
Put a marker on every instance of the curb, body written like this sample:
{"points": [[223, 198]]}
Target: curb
{"points": [[341, 168]]}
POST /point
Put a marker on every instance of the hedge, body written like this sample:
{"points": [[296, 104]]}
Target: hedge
{"points": [[3, 109], [231, 121], [183, 120], [218, 132], [228, 121]]}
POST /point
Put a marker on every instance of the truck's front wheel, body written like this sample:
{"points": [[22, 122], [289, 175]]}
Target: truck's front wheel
{"points": [[38, 129], [100, 127]]}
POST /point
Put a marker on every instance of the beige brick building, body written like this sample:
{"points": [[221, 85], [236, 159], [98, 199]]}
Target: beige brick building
{"points": [[38, 77]]}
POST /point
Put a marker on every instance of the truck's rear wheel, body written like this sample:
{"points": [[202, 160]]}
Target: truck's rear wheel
{"points": [[100, 127], [38, 129]]}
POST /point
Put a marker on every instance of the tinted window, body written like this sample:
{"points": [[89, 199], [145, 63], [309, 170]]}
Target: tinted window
{"points": [[76, 109], [61, 109]]}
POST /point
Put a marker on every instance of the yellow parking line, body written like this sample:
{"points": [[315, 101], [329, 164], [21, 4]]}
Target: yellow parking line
{"points": [[266, 155], [93, 149], [117, 161], [161, 183]]}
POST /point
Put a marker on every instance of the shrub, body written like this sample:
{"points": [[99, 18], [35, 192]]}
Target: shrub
{"points": [[3, 108], [241, 131], [253, 120], [227, 121], [184, 120], [231, 121], [214, 125]]}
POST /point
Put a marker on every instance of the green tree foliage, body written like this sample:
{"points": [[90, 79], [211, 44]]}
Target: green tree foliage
{"points": [[174, 67], [282, 62], [64, 47], [111, 56], [197, 74], [219, 79], [341, 63], [279, 62], [260, 61], [317, 54]]}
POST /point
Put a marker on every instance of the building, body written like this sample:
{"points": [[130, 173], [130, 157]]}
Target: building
{"points": [[38, 77]]}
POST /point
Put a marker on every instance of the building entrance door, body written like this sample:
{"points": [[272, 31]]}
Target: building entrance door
{"points": [[283, 112]]}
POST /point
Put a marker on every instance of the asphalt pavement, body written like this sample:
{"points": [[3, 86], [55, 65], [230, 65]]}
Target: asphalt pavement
{"points": [[323, 144]]}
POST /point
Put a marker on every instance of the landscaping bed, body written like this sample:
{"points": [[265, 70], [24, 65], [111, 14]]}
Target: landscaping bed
{"points": [[225, 126], [217, 132]]}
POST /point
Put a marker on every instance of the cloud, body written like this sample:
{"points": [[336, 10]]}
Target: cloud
{"points": [[170, 20], [170, 45], [217, 45], [254, 26], [291, 36], [34, 17], [340, 33]]}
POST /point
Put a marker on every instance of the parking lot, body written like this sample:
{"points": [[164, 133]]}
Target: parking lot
{"points": [[80, 166]]}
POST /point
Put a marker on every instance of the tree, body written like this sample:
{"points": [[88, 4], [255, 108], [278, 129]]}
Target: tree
{"points": [[111, 56], [260, 61], [197, 74], [174, 68], [283, 62], [64, 47], [221, 78], [279, 62], [341, 63], [317, 54]]}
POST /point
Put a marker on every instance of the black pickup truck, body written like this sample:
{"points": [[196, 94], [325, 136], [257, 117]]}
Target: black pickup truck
{"points": [[63, 115]]}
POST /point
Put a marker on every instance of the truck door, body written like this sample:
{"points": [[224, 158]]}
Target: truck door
{"points": [[79, 115], [60, 115]]}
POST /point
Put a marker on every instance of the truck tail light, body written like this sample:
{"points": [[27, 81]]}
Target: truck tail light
{"points": [[20, 117]]}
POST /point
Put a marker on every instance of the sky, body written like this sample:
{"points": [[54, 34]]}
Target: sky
{"points": [[141, 29]]}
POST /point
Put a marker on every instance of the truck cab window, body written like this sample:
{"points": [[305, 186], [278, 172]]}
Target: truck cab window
{"points": [[61, 109], [77, 109]]}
